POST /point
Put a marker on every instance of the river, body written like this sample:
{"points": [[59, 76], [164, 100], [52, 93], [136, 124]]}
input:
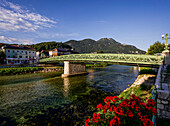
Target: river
{"points": [[23, 97]]}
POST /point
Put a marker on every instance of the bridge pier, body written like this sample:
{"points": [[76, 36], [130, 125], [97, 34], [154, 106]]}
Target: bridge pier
{"points": [[71, 69]]}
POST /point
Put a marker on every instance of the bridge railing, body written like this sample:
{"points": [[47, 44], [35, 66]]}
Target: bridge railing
{"points": [[124, 58]]}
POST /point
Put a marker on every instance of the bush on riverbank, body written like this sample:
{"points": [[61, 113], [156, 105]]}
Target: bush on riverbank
{"points": [[147, 70], [18, 70], [96, 65]]}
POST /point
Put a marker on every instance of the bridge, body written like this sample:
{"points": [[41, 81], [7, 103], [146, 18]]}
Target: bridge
{"points": [[75, 63]]}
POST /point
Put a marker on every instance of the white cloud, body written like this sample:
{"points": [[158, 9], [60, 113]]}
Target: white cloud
{"points": [[15, 40], [15, 18], [57, 35]]}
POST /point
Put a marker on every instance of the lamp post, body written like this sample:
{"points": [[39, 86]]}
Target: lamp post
{"points": [[166, 38]]}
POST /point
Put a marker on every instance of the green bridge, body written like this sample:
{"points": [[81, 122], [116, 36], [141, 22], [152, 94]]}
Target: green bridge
{"points": [[74, 64], [131, 59]]}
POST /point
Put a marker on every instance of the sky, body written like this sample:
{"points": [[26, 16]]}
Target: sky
{"points": [[135, 22]]}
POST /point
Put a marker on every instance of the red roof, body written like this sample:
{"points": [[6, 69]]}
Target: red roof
{"points": [[21, 47]]}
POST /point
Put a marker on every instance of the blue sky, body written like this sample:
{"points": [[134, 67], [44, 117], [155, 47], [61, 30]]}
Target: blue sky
{"points": [[135, 22]]}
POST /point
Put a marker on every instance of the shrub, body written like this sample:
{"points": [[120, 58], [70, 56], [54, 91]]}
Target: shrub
{"points": [[121, 112], [7, 71]]}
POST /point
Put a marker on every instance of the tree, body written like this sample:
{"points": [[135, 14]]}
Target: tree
{"points": [[157, 47], [100, 51], [2, 57]]}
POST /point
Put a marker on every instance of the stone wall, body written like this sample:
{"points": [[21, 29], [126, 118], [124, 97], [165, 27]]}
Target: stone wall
{"points": [[163, 95], [77, 68], [163, 104]]}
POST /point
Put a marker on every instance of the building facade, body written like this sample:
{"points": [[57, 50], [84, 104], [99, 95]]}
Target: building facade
{"points": [[19, 54], [58, 52]]}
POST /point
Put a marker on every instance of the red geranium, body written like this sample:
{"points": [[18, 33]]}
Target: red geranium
{"points": [[118, 111]]}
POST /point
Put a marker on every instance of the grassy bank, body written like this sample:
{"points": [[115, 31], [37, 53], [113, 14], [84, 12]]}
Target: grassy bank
{"points": [[28, 77]]}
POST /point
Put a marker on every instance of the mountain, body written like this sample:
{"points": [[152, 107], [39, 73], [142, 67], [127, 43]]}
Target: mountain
{"points": [[107, 45]]}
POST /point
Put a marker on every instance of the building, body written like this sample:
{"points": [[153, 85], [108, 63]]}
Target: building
{"points": [[58, 52], [44, 54], [19, 54]]}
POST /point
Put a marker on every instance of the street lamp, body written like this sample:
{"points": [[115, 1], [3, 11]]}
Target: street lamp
{"points": [[166, 38]]}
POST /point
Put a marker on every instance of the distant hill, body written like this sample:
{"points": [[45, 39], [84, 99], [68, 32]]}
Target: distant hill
{"points": [[107, 45], [50, 45]]}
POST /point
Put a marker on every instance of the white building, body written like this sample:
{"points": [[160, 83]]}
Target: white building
{"points": [[19, 54]]}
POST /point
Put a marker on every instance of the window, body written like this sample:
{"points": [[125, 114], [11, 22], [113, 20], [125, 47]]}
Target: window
{"points": [[22, 51], [17, 51], [26, 56], [13, 51], [26, 52], [20, 56], [32, 52], [8, 56], [8, 50], [29, 52], [30, 57]]}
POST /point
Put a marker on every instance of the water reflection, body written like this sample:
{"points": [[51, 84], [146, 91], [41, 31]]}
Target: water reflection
{"points": [[66, 86]]}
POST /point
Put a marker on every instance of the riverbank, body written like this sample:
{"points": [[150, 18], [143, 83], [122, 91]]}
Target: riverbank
{"points": [[142, 87], [25, 70]]}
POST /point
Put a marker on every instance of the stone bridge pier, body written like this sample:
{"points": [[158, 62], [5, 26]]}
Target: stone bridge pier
{"points": [[71, 69]]}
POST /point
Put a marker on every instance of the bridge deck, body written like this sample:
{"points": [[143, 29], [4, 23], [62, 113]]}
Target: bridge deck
{"points": [[132, 59]]}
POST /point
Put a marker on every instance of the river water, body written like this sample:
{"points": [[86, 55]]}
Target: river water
{"points": [[24, 96]]}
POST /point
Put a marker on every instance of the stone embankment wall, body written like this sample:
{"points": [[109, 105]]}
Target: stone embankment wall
{"points": [[77, 68], [163, 99], [49, 70], [71, 69]]}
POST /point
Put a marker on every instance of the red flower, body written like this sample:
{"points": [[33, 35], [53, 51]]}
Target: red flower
{"points": [[99, 106], [124, 104], [137, 108], [111, 108], [119, 110], [115, 120], [151, 102], [148, 122], [129, 113], [107, 99], [96, 117], [87, 121], [104, 110]]}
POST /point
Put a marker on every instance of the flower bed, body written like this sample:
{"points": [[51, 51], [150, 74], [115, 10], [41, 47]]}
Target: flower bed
{"points": [[120, 112]]}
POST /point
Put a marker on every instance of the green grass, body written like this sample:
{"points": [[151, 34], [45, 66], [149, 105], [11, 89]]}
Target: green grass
{"points": [[142, 91]]}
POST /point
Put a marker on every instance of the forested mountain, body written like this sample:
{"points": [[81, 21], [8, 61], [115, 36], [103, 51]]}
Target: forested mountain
{"points": [[50, 45], [107, 45]]}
